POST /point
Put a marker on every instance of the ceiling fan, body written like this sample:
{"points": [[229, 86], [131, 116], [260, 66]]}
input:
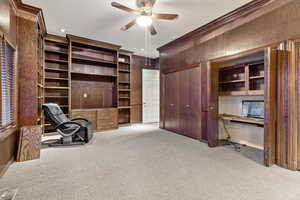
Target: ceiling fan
{"points": [[145, 15]]}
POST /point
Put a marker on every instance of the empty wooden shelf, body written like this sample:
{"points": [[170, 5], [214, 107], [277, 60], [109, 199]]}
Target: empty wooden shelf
{"points": [[90, 74], [53, 69], [242, 78], [56, 78], [57, 61], [48, 50], [92, 60], [57, 88], [124, 102]]}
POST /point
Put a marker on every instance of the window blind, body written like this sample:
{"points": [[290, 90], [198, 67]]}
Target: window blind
{"points": [[7, 57]]}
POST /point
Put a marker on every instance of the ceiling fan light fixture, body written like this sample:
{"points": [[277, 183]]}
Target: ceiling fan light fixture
{"points": [[144, 21]]}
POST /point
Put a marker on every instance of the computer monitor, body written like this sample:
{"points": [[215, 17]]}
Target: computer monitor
{"points": [[253, 108]]}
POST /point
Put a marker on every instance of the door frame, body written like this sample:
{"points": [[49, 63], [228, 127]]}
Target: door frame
{"points": [[270, 101]]}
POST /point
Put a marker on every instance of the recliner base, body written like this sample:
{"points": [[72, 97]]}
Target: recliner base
{"points": [[66, 141]]}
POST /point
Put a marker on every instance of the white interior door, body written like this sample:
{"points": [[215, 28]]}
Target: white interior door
{"points": [[150, 96]]}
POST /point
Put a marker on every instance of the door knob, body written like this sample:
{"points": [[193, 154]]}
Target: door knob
{"points": [[187, 106], [171, 104]]}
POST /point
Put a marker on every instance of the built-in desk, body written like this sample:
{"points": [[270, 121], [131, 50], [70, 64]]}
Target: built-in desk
{"points": [[240, 119]]}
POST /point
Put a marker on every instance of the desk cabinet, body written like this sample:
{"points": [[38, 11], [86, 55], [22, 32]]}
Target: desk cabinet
{"points": [[102, 119]]}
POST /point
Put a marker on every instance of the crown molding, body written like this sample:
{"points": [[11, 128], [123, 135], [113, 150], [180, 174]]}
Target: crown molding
{"points": [[91, 42], [232, 16], [31, 13]]}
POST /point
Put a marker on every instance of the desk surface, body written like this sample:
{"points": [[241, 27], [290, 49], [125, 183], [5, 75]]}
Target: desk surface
{"points": [[242, 119]]}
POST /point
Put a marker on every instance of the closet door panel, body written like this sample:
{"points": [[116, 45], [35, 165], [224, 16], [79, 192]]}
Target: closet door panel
{"points": [[184, 102], [194, 108], [171, 103]]}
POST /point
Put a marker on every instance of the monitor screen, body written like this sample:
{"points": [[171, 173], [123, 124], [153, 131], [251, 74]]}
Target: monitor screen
{"points": [[255, 109]]}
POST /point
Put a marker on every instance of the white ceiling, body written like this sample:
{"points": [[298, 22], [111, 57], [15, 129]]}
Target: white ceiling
{"points": [[96, 19]]}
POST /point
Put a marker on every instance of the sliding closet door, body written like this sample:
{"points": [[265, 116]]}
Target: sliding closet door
{"points": [[172, 102]]}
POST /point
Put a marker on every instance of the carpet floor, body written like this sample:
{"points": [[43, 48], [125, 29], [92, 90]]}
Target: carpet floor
{"points": [[142, 162]]}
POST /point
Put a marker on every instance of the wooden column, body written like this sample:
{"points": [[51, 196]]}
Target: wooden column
{"points": [[27, 74], [270, 106], [213, 100], [293, 136]]}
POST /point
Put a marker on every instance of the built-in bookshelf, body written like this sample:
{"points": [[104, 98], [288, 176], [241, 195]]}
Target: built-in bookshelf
{"points": [[87, 78], [41, 75], [93, 66], [242, 79], [56, 76], [124, 79]]}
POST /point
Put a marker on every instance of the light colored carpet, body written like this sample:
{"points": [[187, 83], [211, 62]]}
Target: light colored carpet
{"points": [[143, 162]]}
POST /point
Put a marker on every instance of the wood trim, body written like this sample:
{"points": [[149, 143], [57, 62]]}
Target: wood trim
{"points": [[38, 12], [10, 162], [240, 12], [293, 160], [94, 43], [245, 53], [180, 69], [27, 8], [126, 52], [270, 106], [56, 38], [5, 134], [292, 113]]}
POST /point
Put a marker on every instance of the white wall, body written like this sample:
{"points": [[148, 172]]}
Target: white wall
{"points": [[241, 133]]}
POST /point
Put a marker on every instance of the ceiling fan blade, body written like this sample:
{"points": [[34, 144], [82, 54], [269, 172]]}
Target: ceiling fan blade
{"points": [[128, 26], [152, 30], [150, 3], [124, 8], [165, 16]]}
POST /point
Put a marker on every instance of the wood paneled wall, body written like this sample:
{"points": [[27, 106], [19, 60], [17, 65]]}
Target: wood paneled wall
{"points": [[138, 64], [19, 24], [8, 27], [275, 22]]}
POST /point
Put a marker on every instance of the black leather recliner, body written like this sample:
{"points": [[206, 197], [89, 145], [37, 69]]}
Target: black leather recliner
{"points": [[72, 131]]}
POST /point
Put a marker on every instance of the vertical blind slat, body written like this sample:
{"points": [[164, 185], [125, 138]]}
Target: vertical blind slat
{"points": [[7, 54]]}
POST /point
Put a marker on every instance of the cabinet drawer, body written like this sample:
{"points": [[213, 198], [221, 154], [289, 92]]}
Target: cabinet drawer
{"points": [[90, 115], [106, 124], [106, 114], [107, 119], [102, 119]]}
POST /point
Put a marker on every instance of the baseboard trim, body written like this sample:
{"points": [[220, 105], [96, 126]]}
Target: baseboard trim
{"points": [[3, 171]]}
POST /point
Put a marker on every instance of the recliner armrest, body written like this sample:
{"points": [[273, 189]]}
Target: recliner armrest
{"points": [[79, 118], [68, 123]]}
